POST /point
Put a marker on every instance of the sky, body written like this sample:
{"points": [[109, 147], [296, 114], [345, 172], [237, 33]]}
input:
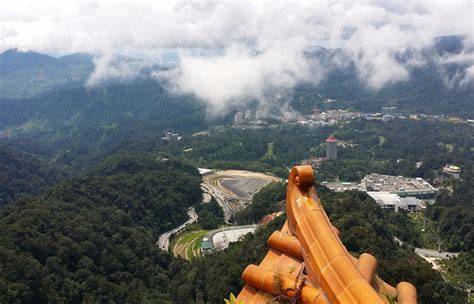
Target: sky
{"points": [[229, 51]]}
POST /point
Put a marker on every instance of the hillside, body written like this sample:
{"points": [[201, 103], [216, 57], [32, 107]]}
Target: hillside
{"points": [[432, 87], [22, 175], [26, 74], [455, 214], [92, 238], [72, 125]]}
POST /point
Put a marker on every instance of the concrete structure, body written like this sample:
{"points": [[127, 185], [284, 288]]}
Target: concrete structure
{"points": [[206, 246], [389, 111], [248, 115], [452, 170], [220, 239], [238, 118], [307, 262], [402, 186], [388, 117], [390, 192], [394, 202], [171, 137], [331, 148]]}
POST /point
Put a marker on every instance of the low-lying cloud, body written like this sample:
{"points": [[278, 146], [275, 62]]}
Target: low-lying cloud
{"points": [[232, 52], [240, 75]]}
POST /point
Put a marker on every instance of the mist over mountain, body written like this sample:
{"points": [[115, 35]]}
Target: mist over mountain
{"points": [[434, 85], [109, 111]]}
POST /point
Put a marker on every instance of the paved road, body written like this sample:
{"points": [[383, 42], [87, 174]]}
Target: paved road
{"points": [[430, 253], [221, 200], [164, 239], [232, 202], [435, 253]]}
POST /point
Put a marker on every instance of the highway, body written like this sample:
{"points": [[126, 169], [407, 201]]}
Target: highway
{"points": [[164, 239], [221, 200]]}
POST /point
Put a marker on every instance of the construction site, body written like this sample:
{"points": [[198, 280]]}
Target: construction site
{"points": [[234, 189]]}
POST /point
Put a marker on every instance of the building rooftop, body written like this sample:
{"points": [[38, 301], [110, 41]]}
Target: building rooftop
{"points": [[402, 186], [396, 184]]}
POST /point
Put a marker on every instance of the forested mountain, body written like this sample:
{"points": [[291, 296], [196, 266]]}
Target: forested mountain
{"points": [[144, 101], [77, 125], [432, 87], [92, 238], [26, 74], [109, 112], [22, 175], [455, 214]]}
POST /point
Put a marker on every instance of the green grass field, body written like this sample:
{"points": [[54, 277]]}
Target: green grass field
{"points": [[188, 244]]}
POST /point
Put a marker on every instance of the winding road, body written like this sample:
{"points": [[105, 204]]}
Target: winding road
{"points": [[164, 239]]}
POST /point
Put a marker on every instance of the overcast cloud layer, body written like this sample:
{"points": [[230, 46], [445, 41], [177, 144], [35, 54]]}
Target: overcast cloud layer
{"points": [[230, 51]]}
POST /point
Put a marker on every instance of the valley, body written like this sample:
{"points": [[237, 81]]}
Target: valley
{"points": [[146, 150]]}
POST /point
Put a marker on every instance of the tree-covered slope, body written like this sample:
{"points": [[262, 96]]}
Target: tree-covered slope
{"points": [[22, 175], [92, 238], [78, 107], [79, 127], [454, 213], [433, 85], [26, 74]]}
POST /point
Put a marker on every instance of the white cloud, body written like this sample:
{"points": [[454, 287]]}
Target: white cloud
{"points": [[255, 45], [240, 75]]}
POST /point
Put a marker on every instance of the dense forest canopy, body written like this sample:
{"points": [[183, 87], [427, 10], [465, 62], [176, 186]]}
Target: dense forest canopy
{"points": [[86, 195], [103, 132], [455, 214], [92, 238], [21, 174]]}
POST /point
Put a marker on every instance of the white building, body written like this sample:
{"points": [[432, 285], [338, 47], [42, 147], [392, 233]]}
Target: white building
{"points": [[238, 118], [394, 202]]}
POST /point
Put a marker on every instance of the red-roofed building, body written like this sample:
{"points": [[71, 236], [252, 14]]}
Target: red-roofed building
{"points": [[331, 148]]}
